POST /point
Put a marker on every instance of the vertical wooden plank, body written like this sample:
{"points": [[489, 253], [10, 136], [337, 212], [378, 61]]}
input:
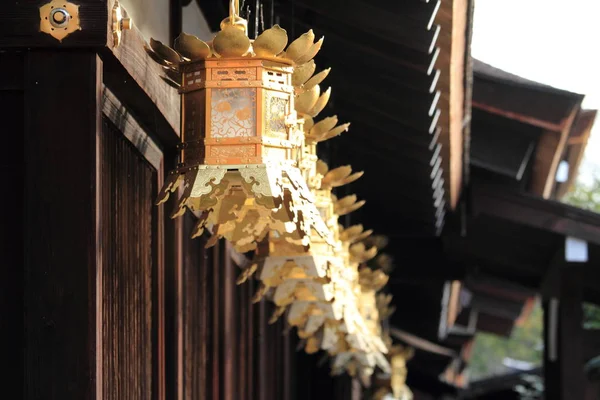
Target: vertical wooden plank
{"points": [[194, 315], [288, 367], [228, 332], [216, 322], [563, 336], [250, 338], [175, 307], [242, 339], [131, 276], [260, 373], [62, 100], [12, 167]]}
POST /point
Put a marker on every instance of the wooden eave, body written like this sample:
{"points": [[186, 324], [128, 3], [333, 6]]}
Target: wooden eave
{"points": [[384, 61], [575, 149], [532, 211], [454, 20], [517, 237], [551, 110], [430, 360]]}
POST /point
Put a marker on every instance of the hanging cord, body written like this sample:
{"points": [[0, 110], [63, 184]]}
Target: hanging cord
{"points": [[262, 18], [234, 9], [256, 17]]}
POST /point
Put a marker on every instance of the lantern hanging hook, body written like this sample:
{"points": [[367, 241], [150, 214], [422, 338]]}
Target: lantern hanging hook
{"points": [[234, 18], [234, 9]]}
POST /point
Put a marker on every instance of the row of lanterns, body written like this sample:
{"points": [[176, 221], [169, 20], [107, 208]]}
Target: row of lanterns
{"points": [[249, 170]]}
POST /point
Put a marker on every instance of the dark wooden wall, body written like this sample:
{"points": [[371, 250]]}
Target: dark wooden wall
{"points": [[105, 296], [12, 166], [130, 270]]}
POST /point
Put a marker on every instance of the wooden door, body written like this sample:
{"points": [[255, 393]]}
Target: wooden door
{"points": [[84, 287], [130, 278], [83, 151]]}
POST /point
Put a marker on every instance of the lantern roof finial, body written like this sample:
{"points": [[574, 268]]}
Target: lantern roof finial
{"points": [[234, 19]]}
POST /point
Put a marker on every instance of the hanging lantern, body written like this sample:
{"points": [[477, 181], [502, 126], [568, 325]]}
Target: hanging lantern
{"points": [[320, 287], [392, 384], [241, 134]]}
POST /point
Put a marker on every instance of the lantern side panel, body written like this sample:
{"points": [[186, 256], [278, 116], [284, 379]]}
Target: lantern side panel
{"points": [[233, 113]]}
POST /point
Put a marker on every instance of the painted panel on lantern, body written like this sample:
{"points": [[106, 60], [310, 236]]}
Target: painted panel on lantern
{"points": [[276, 112], [233, 113], [151, 17]]}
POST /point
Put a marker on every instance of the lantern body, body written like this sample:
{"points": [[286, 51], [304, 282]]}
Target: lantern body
{"points": [[238, 111]]}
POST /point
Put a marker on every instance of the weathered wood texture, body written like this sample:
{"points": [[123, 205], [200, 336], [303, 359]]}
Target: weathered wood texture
{"points": [[62, 100], [535, 212], [399, 126], [227, 349], [12, 167], [20, 25], [549, 152], [145, 73], [575, 149], [452, 19], [193, 303], [130, 272]]}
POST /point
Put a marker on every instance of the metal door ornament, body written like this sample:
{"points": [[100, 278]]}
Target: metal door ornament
{"points": [[59, 19]]}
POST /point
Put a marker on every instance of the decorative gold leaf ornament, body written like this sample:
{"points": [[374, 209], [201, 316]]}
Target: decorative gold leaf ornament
{"points": [[192, 48], [271, 42], [241, 136]]}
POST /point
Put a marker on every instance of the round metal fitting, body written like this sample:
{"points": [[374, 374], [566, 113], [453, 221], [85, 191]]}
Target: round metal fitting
{"points": [[59, 17]]}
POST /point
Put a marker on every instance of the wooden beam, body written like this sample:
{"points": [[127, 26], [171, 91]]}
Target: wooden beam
{"points": [[516, 116], [375, 16], [368, 54], [452, 18], [115, 111], [549, 152], [145, 73], [500, 93], [576, 146], [61, 223], [411, 27], [454, 305], [533, 211]]}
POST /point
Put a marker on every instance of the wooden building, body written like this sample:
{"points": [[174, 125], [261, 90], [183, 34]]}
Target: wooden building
{"points": [[105, 297]]}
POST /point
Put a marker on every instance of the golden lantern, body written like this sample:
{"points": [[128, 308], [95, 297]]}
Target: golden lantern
{"points": [[392, 385], [395, 386], [241, 134], [320, 286], [249, 168]]}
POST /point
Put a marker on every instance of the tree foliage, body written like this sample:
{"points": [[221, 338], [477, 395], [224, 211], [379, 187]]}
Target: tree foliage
{"points": [[585, 196], [525, 344]]}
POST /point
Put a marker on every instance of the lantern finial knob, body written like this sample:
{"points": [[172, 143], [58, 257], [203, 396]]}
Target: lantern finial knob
{"points": [[234, 18]]}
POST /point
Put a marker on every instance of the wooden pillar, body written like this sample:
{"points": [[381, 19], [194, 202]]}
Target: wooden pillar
{"points": [[62, 122], [12, 165], [563, 334]]}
